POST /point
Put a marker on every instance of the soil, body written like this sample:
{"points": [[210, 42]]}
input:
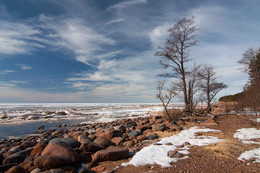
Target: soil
{"points": [[205, 159]]}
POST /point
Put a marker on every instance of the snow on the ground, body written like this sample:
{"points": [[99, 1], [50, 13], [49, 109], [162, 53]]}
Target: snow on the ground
{"points": [[247, 134], [157, 154], [253, 155]]}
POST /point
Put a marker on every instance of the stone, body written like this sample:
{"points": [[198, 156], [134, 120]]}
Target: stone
{"points": [[159, 127], [174, 154], [109, 134], [141, 137], [75, 135], [186, 143], [41, 127], [121, 129], [68, 141], [15, 149], [15, 169], [17, 157], [128, 144], [98, 168], [109, 154], [47, 162], [117, 140], [131, 124], [144, 127], [62, 150], [134, 133], [83, 139], [36, 170], [103, 141], [90, 147], [38, 148], [152, 136], [27, 165], [3, 115], [5, 167], [147, 142]]}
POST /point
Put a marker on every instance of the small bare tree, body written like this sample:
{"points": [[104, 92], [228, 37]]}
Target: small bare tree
{"points": [[210, 86], [165, 95], [175, 53]]}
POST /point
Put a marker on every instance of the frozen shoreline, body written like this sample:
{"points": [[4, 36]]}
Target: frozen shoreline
{"points": [[23, 119]]}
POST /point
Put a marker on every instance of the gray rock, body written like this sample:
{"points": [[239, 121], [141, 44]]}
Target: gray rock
{"points": [[153, 136], [134, 133], [68, 141], [131, 124]]}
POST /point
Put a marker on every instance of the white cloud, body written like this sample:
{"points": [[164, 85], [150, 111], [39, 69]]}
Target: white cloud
{"points": [[159, 34], [17, 38], [74, 35], [25, 67], [4, 72], [118, 20], [126, 4], [125, 79]]}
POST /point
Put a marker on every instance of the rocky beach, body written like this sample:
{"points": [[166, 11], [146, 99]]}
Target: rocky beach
{"points": [[134, 144]]}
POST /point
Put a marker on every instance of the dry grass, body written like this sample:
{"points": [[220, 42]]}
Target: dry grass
{"points": [[220, 135], [166, 134], [226, 148]]}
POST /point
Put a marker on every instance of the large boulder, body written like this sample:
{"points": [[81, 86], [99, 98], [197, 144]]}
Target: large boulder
{"points": [[91, 147], [109, 154], [63, 150], [47, 162], [38, 148], [68, 141]]}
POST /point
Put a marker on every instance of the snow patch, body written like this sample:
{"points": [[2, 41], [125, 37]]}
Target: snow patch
{"points": [[247, 134], [253, 155], [157, 154]]}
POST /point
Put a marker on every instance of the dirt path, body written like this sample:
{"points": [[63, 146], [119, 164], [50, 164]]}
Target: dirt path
{"points": [[221, 157]]}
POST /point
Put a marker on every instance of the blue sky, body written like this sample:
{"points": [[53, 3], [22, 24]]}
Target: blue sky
{"points": [[103, 51]]}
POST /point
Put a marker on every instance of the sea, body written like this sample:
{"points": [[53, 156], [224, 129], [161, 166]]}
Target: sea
{"points": [[22, 119]]}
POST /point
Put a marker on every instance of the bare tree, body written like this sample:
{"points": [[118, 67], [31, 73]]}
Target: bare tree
{"points": [[175, 53], [165, 95], [251, 94], [194, 83], [210, 86], [251, 62]]}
